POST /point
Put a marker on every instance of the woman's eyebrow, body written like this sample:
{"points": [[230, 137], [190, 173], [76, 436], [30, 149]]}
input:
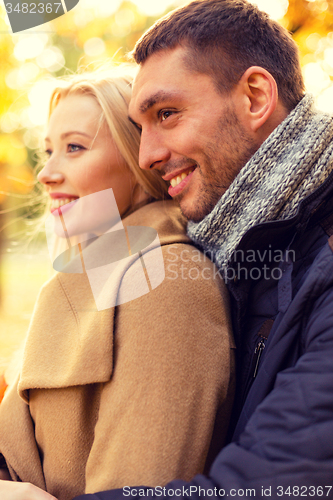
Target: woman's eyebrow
{"points": [[71, 132], [76, 132]]}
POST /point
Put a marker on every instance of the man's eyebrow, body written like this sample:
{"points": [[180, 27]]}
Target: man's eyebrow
{"points": [[159, 97]]}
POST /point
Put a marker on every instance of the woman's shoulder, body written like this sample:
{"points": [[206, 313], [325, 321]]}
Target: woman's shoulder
{"points": [[163, 216]]}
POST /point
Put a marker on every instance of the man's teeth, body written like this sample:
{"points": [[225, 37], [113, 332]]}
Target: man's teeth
{"points": [[59, 202], [177, 180]]}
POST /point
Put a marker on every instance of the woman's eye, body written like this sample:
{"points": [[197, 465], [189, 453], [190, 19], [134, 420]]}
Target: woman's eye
{"points": [[48, 152], [72, 148]]}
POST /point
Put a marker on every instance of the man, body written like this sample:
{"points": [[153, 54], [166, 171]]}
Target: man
{"points": [[219, 99]]}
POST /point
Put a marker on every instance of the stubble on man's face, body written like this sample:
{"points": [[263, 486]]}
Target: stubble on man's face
{"points": [[224, 157]]}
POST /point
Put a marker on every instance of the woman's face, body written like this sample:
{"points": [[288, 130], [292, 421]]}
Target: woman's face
{"points": [[83, 160]]}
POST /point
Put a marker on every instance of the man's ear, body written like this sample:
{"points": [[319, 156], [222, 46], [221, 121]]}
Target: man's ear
{"points": [[260, 91]]}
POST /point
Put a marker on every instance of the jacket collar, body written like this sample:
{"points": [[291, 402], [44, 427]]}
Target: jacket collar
{"points": [[280, 233]]}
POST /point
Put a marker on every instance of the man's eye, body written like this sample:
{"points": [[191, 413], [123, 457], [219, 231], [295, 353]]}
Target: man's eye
{"points": [[48, 152], [72, 148], [165, 114]]}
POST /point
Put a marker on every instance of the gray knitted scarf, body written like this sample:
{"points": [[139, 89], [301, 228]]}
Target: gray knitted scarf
{"points": [[295, 159]]}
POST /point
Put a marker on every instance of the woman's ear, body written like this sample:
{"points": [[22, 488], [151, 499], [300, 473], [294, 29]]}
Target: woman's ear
{"points": [[260, 91]]}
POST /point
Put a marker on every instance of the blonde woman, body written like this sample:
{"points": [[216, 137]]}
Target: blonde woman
{"points": [[125, 375]]}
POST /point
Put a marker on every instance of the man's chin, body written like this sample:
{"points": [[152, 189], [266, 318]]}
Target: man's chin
{"points": [[194, 213]]}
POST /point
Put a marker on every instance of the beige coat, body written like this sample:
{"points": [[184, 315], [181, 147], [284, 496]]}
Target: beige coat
{"points": [[127, 395]]}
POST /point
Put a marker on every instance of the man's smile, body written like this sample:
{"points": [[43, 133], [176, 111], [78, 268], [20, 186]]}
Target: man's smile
{"points": [[178, 178], [179, 181]]}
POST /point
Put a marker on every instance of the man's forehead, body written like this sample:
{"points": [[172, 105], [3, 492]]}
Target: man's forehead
{"points": [[158, 68], [162, 58]]}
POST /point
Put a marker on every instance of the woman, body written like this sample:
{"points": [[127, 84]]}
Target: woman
{"points": [[127, 373]]}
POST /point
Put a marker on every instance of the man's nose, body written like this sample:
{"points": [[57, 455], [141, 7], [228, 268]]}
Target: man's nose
{"points": [[153, 153], [51, 174]]}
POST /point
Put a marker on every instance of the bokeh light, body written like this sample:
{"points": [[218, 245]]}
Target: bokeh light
{"points": [[155, 8], [39, 97], [94, 47], [103, 8], [276, 9], [316, 79], [51, 58], [29, 47], [20, 77], [9, 122], [325, 100]]}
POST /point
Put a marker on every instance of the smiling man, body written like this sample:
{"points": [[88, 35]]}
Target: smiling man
{"points": [[184, 122], [219, 99]]}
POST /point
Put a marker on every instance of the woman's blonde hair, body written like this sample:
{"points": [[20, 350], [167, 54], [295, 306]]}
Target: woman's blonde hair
{"points": [[112, 90]]}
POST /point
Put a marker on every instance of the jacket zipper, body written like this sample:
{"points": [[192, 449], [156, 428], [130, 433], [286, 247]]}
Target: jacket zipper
{"points": [[257, 353], [254, 366]]}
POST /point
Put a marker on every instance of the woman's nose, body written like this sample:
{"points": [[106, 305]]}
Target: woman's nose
{"points": [[50, 174]]}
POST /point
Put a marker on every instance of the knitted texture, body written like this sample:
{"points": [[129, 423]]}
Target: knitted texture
{"points": [[293, 161]]}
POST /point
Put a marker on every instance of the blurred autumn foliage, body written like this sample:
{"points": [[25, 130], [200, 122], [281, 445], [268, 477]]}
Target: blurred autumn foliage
{"points": [[304, 17], [311, 23], [3, 386]]}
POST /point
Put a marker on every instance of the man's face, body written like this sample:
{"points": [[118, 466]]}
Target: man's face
{"points": [[190, 133]]}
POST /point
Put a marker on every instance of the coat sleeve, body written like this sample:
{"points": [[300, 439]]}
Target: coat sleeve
{"points": [[17, 439], [286, 448], [173, 379]]}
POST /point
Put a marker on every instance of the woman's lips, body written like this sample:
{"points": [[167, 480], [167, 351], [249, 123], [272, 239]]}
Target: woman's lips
{"points": [[62, 205]]}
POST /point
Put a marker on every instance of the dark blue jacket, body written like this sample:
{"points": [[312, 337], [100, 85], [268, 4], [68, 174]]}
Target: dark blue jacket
{"points": [[281, 285]]}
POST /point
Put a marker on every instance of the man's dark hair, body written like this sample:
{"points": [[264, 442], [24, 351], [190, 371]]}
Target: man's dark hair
{"points": [[224, 38]]}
